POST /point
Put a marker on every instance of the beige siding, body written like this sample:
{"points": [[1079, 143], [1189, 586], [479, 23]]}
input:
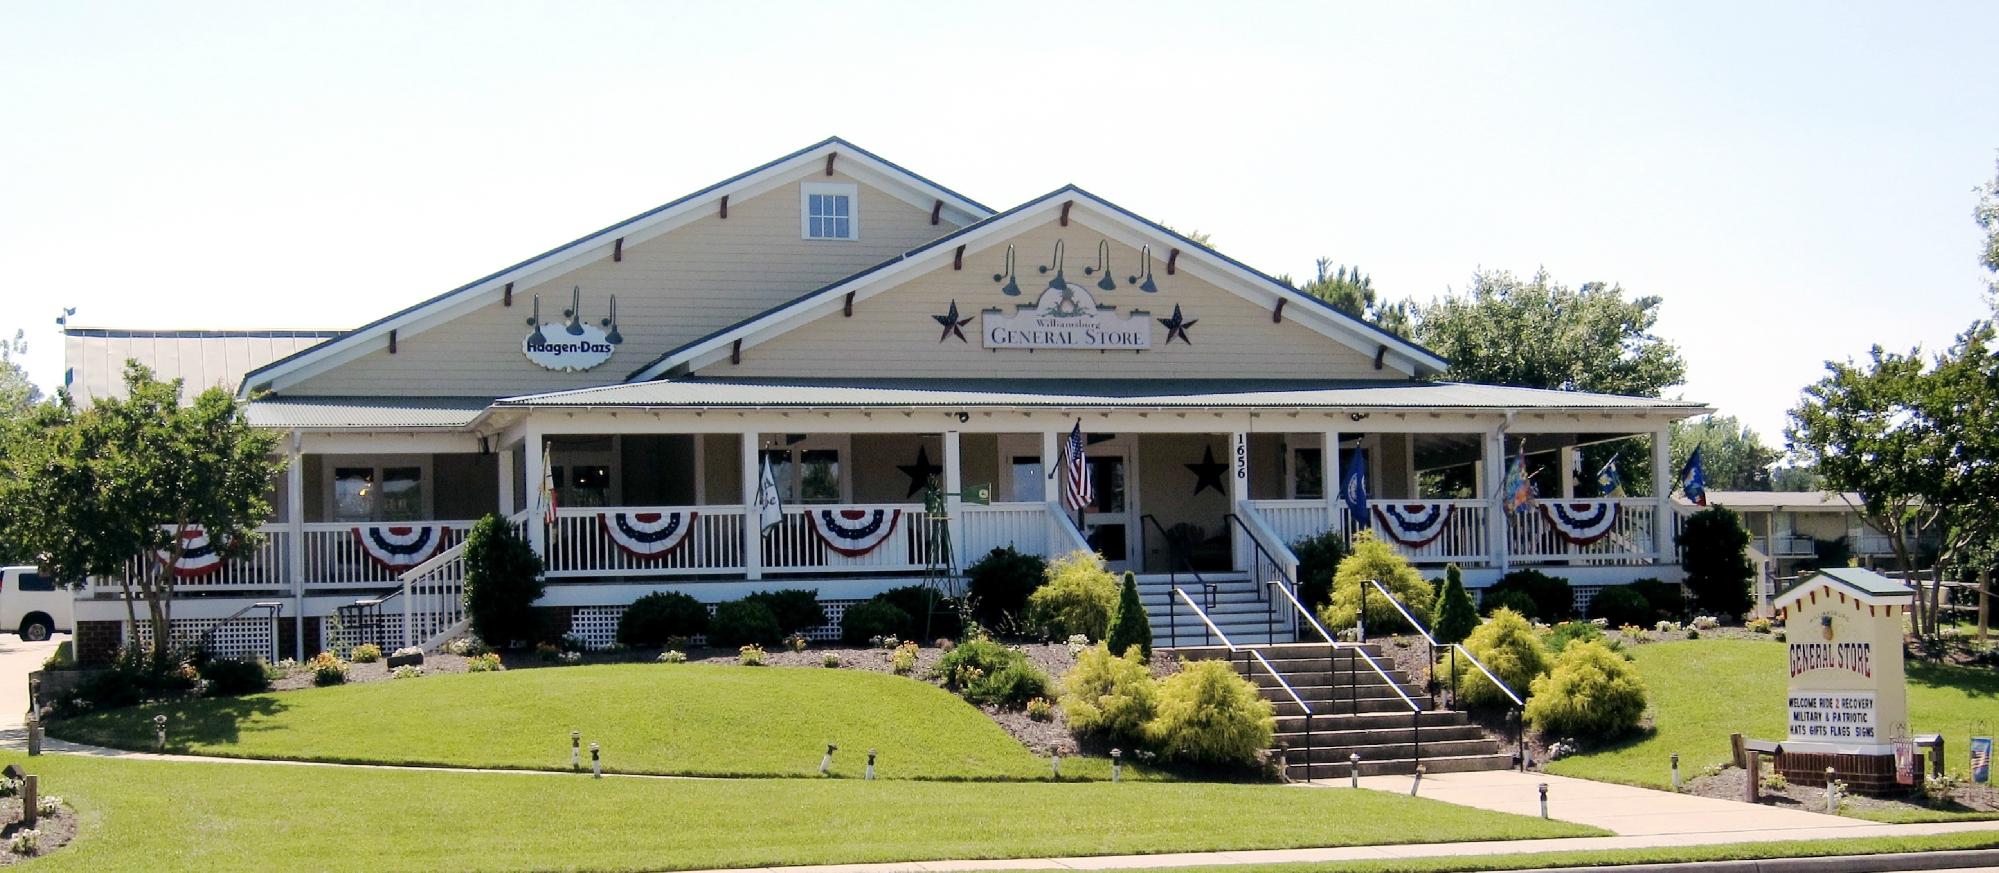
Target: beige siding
{"points": [[1166, 489], [893, 333], [722, 467], [671, 289], [876, 460], [96, 363]]}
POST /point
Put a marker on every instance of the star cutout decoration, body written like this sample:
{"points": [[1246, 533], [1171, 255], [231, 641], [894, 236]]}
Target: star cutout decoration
{"points": [[1208, 473], [1177, 326], [953, 325], [921, 472]]}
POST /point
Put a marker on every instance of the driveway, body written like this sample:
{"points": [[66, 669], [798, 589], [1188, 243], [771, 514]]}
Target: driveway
{"points": [[17, 660]]}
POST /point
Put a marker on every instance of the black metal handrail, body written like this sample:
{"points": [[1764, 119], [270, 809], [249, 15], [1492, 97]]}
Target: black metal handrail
{"points": [[1353, 693], [1291, 584], [1176, 560], [1519, 706], [276, 608], [1250, 654]]}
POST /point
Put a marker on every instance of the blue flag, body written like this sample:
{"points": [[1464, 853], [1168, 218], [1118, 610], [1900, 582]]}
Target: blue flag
{"points": [[1608, 482], [1353, 488], [1693, 479]]}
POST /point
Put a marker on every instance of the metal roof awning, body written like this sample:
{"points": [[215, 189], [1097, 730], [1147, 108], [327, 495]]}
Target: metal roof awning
{"points": [[366, 413]]}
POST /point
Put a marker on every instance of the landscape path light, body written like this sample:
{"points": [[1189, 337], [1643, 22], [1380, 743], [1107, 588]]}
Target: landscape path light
{"points": [[871, 764], [34, 734], [1117, 765], [1676, 771], [1418, 782], [1353, 769], [596, 763], [1544, 800], [30, 791], [1057, 762], [1831, 793], [575, 750], [826, 763], [160, 730]]}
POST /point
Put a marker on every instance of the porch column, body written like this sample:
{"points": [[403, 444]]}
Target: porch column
{"points": [[506, 461], [1495, 508], [1662, 491], [1051, 467], [1567, 458], [753, 535], [1330, 479], [1239, 495], [295, 539], [954, 504], [537, 512]]}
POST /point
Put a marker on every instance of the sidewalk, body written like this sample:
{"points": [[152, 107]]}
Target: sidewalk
{"points": [[1624, 810]]}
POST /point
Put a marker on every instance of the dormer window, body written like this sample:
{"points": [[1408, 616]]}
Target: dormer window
{"points": [[826, 211]]}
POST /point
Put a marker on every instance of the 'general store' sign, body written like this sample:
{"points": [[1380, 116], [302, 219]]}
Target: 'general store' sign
{"points": [[1066, 318]]}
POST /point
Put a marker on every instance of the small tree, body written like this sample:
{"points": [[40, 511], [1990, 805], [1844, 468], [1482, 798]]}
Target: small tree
{"points": [[1456, 616], [1374, 560], [1714, 550], [87, 491], [1129, 626], [502, 582]]}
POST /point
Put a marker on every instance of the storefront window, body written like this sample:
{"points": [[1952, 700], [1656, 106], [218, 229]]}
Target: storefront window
{"points": [[819, 476], [1308, 476], [588, 485], [779, 462], [354, 494], [402, 493]]}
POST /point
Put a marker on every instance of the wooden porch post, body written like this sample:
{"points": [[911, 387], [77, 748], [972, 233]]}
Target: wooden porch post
{"points": [[1239, 495], [1330, 479], [954, 505], [1495, 504], [753, 535], [1662, 490], [537, 530], [1051, 467], [506, 462], [295, 540], [1567, 458]]}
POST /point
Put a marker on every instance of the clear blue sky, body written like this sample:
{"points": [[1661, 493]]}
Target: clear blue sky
{"points": [[1794, 179]]}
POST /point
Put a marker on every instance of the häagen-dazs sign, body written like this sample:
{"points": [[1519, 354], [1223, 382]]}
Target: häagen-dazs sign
{"points": [[571, 344], [1065, 317]]}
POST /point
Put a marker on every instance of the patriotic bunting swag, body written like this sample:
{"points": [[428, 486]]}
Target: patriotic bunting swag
{"points": [[1413, 524], [198, 556], [647, 534], [398, 547], [854, 532], [1581, 523]]}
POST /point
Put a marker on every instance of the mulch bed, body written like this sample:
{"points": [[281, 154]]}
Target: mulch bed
{"points": [[1727, 785], [56, 830]]}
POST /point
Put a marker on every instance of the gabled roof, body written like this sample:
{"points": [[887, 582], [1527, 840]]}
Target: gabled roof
{"points": [[1108, 217], [853, 160], [1866, 586]]}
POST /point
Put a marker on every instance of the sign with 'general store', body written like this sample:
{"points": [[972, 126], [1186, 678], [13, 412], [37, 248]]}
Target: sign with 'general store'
{"points": [[1066, 317]]}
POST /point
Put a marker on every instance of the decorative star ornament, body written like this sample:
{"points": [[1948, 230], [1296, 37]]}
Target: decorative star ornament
{"points": [[1177, 326], [921, 472], [1208, 473], [953, 325]]}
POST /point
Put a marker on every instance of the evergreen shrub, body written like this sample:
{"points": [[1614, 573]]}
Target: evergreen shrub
{"points": [[1078, 597], [1509, 647], [1209, 716], [1373, 559], [1111, 696], [655, 618], [743, 623], [1592, 691]]}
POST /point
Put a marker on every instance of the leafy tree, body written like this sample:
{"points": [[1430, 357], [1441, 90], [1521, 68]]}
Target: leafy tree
{"points": [[18, 393], [1456, 616], [1987, 216], [1374, 560], [1537, 333], [87, 491], [1794, 478], [1129, 626], [1352, 292], [502, 582], [1732, 454], [1714, 550]]}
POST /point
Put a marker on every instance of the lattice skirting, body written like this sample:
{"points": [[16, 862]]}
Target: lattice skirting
{"points": [[597, 626], [244, 637], [342, 638], [1581, 596]]}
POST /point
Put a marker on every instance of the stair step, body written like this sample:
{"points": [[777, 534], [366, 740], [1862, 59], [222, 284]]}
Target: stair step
{"points": [[1322, 706], [1320, 738], [1440, 764], [1326, 723], [1393, 751]]}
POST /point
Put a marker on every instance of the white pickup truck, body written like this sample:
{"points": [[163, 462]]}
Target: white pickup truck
{"points": [[34, 605]]}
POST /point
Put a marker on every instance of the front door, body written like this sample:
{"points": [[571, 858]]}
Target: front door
{"points": [[1110, 523]]}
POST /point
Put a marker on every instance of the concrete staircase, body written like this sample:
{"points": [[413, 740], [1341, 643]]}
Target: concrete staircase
{"points": [[1355, 712], [1235, 604]]}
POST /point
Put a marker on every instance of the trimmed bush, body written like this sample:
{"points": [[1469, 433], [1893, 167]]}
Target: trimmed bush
{"points": [[327, 669], [1129, 625], [1508, 646], [1553, 599], [655, 618], [919, 602], [869, 619], [228, 677], [365, 653], [1592, 691], [1319, 558], [1078, 597], [1455, 617], [1518, 601], [796, 609], [1207, 715], [1373, 558], [1668, 599], [1000, 583], [1570, 632], [1012, 687], [1621, 605], [986, 672], [1714, 549], [501, 583], [1109, 696], [743, 623]]}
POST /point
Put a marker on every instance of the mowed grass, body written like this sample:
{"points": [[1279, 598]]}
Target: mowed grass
{"points": [[162, 815], [678, 719], [1703, 690]]}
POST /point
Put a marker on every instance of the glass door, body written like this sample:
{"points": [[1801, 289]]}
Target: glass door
{"points": [[1108, 524]]}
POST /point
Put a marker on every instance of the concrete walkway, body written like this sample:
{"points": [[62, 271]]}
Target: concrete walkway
{"points": [[18, 658], [1621, 809]]}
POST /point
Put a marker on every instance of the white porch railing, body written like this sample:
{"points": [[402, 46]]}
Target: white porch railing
{"points": [[433, 595], [1063, 536], [262, 569], [1024, 526], [1531, 538], [1292, 520], [792, 546], [578, 545], [335, 559], [1463, 542]]}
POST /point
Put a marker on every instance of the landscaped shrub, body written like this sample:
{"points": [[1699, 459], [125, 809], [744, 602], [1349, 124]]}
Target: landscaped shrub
{"points": [[672, 656], [655, 618], [1078, 598], [867, 620], [1714, 551], [1129, 625], [327, 669], [1668, 599], [1012, 687], [796, 609], [228, 677], [1508, 646], [742, 623], [365, 653], [902, 661], [1493, 601], [1000, 583], [1373, 559], [406, 671], [751, 655], [1319, 558], [1620, 605], [1208, 715], [486, 662], [1455, 616], [1571, 632], [1553, 599], [501, 583], [1592, 691], [984, 671], [1039, 709], [921, 602], [1111, 696]]}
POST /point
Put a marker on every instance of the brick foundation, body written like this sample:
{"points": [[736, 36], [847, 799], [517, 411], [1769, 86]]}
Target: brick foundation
{"points": [[97, 641], [1863, 774]]}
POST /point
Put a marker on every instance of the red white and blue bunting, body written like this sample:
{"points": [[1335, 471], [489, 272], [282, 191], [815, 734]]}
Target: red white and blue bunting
{"points": [[398, 547], [648, 534], [199, 556], [1413, 524], [1581, 523], [853, 532]]}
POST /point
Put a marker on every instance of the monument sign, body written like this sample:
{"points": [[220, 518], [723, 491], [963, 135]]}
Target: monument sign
{"points": [[1846, 703]]}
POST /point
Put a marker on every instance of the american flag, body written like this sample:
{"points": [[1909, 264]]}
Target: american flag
{"points": [[1079, 494]]}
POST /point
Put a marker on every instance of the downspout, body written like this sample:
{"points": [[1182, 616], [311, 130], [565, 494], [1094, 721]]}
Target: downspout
{"points": [[295, 547], [1499, 528]]}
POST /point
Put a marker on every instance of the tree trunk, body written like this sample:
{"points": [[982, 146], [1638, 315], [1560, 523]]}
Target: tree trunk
{"points": [[1984, 603], [131, 614]]}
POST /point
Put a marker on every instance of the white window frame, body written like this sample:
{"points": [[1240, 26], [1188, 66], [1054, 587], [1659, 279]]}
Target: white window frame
{"points": [[330, 463], [848, 190]]}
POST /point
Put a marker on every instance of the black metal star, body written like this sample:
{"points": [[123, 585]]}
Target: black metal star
{"points": [[921, 472], [953, 325], [1208, 473], [1177, 326]]}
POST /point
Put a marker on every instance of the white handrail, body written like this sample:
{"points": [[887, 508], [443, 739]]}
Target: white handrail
{"points": [[1503, 688], [1267, 668], [1358, 650], [1203, 616]]}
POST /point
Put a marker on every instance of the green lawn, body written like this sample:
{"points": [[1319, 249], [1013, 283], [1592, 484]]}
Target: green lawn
{"points": [[1703, 690], [153, 815], [681, 719]]}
